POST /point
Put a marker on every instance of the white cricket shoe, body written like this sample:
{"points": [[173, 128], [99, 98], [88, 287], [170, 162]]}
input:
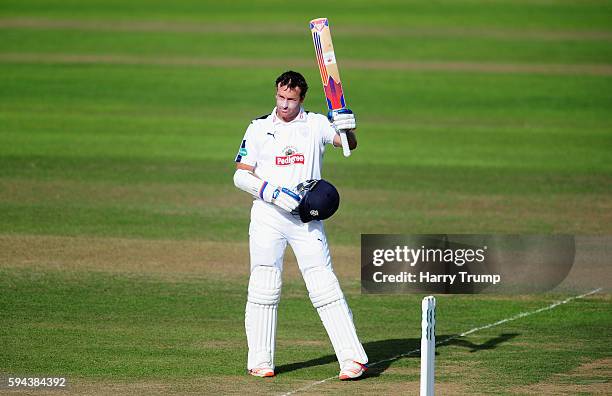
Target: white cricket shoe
{"points": [[262, 372], [351, 370]]}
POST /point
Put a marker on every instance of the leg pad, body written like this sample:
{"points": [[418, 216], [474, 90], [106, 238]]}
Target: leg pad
{"points": [[328, 299], [265, 285], [260, 316], [323, 287]]}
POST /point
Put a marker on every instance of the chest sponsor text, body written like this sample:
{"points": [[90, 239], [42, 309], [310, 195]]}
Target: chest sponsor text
{"points": [[290, 159]]}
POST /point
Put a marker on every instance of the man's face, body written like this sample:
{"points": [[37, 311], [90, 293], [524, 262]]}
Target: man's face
{"points": [[288, 102]]}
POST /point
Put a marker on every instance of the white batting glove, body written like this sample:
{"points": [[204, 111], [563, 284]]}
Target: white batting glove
{"points": [[279, 196], [342, 119]]}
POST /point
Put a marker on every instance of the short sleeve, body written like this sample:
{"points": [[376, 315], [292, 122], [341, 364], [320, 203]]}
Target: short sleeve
{"points": [[248, 152], [327, 131]]}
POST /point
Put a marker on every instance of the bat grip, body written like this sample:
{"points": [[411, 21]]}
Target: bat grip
{"points": [[345, 146]]}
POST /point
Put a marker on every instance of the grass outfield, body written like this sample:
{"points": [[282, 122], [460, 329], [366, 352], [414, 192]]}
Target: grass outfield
{"points": [[120, 226], [163, 329]]}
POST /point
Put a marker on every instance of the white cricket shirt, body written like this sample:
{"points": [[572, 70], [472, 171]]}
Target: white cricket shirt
{"points": [[286, 153]]}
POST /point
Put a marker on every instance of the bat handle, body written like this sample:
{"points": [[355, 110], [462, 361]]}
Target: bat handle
{"points": [[345, 146]]}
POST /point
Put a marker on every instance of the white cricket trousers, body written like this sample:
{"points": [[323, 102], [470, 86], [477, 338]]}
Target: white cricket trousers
{"points": [[270, 230]]}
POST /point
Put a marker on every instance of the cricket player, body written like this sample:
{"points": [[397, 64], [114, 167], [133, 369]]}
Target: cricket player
{"points": [[279, 151]]}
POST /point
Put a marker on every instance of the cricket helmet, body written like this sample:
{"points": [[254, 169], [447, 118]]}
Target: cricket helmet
{"points": [[320, 200]]}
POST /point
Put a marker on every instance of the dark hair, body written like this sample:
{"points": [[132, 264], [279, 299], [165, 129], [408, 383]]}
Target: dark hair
{"points": [[292, 80]]}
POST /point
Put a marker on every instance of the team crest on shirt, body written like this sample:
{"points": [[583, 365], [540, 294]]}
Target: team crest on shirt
{"points": [[291, 157]]}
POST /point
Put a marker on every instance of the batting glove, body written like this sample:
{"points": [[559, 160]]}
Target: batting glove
{"points": [[342, 119], [279, 196]]}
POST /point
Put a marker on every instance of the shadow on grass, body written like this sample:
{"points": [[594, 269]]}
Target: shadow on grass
{"points": [[383, 353]]}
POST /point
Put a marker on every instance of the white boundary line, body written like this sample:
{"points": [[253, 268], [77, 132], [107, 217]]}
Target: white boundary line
{"points": [[444, 341]]}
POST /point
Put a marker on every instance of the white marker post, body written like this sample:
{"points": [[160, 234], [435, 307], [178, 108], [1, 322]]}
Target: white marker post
{"points": [[428, 345]]}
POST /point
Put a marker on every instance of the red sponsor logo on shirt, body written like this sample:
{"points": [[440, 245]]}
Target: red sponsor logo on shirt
{"points": [[290, 159]]}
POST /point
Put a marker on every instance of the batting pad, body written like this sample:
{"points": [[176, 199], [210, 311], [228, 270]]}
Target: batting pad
{"points": [[328, 299], [265, 285], [260, 317]]}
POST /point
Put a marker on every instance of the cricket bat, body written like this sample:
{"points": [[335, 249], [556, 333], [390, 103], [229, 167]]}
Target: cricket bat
{"points": [[328, 68]]}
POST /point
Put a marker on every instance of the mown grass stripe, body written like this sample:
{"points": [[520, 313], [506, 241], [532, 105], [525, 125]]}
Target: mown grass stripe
{"points": [[419, 66]]}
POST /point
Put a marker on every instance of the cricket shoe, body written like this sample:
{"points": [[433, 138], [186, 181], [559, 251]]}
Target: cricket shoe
{"points": [[262, 372], [352, 370]]}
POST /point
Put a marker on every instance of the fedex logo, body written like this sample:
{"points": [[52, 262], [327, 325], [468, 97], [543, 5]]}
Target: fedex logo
{"points": [[290, 159]]}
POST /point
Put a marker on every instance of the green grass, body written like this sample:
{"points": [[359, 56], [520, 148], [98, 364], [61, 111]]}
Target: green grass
{"points": [[134, 327], [497, 136], [113, 150], [592, 15], [259, 45]]}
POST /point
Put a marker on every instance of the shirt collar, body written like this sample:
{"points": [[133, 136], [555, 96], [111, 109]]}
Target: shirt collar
{"points": [[301, 117]]}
